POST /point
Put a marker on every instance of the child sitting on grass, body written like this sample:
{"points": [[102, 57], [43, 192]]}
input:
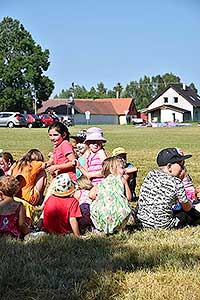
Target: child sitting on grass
{"points": [[82, 194], [31, 167], [12, 213], [187, 180], [159, 192], [61, 209], [130, 170], [6, 161], [110, 209], [95, 155]]}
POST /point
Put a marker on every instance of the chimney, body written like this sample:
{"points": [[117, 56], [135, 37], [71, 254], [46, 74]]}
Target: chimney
{"points": [[184, 86], [117, 94]]}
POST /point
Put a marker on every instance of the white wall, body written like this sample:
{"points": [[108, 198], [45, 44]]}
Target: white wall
{"points": [[170, 94], [122, 120], [167, 115]]}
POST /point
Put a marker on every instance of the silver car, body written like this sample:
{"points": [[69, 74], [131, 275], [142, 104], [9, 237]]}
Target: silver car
{"points": [[12, 119]]}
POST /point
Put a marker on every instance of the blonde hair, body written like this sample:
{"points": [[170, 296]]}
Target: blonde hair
{"points": [[110, 165], [9, 185], [84, 183]]}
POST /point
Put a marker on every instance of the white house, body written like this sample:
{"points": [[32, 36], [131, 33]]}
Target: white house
{"points": [[177, 102]]}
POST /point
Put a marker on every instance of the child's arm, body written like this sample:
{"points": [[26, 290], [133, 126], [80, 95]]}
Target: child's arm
{"points": [[22, 218], [84, 170], [77, 194], [131, 170], [74, 225], [59, 167], [86, 173], [127, 189], [93, 193]]}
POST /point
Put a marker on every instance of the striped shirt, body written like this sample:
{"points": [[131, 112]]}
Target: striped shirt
{"points": [[158, 194], [94, 164]]}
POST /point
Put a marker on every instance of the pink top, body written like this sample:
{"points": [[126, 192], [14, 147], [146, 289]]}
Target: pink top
{"points": [[59, 156], [9, 223], [94, 164], [84, 197], [189, 187]]}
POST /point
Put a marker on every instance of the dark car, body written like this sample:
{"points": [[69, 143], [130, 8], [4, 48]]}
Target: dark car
{"points": [[33, 120], [47, 119]]}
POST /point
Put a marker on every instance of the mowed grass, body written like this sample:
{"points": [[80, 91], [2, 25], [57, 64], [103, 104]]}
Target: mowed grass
{"points": [[136, 265]]}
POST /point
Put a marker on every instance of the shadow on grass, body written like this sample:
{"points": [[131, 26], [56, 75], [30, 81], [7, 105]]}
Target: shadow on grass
{"points": [[68, 268]]}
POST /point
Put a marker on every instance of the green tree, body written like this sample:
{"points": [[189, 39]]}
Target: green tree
{"points": [[101, 90], [148, 87], [118, 90], [22, 63], [80, 92], [192, 86], [92, 94], [111, 94]]}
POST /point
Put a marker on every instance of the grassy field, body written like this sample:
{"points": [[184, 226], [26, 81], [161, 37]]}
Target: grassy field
{"points": [[137, 265]]}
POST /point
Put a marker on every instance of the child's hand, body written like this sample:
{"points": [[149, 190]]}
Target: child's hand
{"points": [[52, 169], [50, 155], [39, 208], [125, 178]]}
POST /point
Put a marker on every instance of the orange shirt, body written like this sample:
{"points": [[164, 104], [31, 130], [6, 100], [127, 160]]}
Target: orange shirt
{"points": [[29, 173]]}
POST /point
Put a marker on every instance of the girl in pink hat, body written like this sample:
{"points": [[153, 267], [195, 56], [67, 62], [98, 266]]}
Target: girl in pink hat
{"points": [[95, 156]]}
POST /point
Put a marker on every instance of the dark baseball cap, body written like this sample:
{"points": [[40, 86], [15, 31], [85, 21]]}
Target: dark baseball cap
{"points": [[170, 156]]}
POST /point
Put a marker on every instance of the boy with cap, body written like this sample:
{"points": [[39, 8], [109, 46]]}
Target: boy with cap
{"points": [[130, 170], [160, 191]]}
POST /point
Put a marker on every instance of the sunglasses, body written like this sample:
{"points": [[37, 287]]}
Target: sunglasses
{"points": [[180, 163], [95, 142]]}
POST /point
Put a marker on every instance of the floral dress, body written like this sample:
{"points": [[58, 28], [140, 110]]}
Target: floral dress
{"points": [[110, 210]]}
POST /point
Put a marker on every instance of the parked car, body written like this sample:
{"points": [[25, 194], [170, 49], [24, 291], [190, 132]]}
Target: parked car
{"points": [[12, 119], [33, 120], [47, 119]]}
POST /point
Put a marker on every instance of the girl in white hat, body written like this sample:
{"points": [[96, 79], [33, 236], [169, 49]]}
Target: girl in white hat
{"points": [[95, 156]]}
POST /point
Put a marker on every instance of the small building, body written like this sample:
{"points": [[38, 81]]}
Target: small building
{"points": [[176, 103], [99, 111]]}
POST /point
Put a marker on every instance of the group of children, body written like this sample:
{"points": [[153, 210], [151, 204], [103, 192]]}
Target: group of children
{"points": [[89, 190]]}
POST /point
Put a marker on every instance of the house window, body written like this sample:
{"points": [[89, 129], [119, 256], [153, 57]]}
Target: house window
{"points": [[165, 99], [175, 99]]}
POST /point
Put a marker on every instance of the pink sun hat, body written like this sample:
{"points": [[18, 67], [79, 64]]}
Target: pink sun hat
{"points": [[95, 134]]}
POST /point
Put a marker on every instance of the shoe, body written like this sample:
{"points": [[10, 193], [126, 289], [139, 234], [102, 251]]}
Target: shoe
{"points": [[35, 235]]}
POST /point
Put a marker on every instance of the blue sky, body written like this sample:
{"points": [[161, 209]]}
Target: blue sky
{"points": [[113, 40]]}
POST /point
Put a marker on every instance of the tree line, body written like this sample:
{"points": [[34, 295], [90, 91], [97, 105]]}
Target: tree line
{"points": [[23, 84], [141, 91]]}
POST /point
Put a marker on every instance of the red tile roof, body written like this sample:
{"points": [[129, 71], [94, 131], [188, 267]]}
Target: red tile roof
{"points": [[107, 106]]}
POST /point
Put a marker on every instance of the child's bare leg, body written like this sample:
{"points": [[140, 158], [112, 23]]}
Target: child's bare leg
{"points": [[74, 225], [48, 194], [40, 184]]}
